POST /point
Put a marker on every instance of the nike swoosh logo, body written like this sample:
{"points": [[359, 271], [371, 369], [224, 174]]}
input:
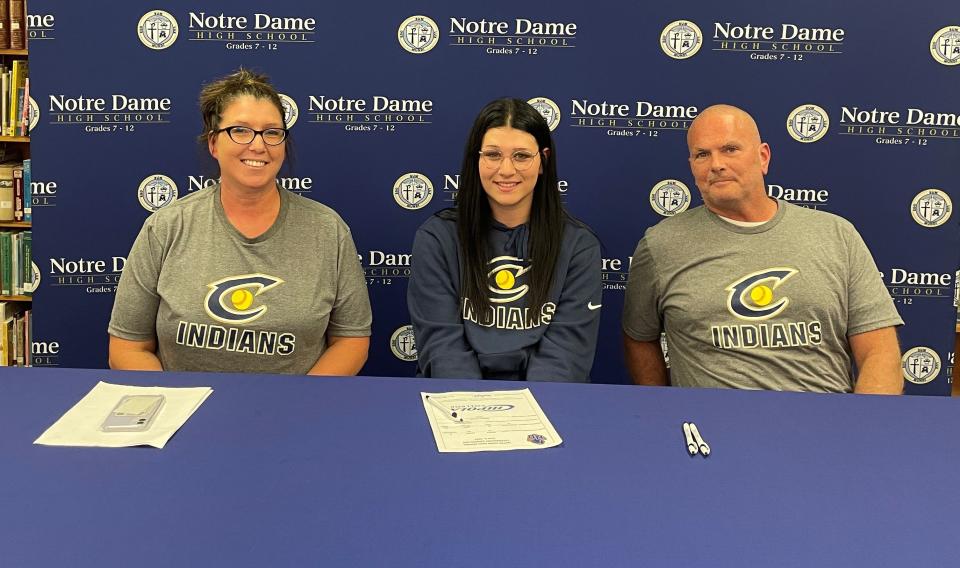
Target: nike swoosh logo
{"points": [[592, 306]]}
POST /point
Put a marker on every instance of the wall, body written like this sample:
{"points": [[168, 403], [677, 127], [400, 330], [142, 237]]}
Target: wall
{"points": [[845, 113]]}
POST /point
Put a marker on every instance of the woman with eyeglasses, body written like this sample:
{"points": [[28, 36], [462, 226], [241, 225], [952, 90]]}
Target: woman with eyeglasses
{"points": [[506, 285], [242, 276]]}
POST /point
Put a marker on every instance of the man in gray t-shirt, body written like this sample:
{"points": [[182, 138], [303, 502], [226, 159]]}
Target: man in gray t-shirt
{"points": [[753, 292]]}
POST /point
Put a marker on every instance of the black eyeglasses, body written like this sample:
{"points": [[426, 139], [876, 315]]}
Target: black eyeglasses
{"points": [[245, 135]]}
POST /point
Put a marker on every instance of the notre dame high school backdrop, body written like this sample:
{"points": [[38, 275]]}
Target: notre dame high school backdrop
{"points": [[858, 101]]}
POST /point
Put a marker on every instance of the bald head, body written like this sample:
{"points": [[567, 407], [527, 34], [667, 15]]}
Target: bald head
{"points": [[728, 161], [727, 115]]}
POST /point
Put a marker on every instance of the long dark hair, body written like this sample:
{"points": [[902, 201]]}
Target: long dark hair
{"points": [[474, 217]]}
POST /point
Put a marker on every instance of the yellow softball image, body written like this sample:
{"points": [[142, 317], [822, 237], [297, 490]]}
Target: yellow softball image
{"points": [[505, 279], [761, 295], [241, 299]]}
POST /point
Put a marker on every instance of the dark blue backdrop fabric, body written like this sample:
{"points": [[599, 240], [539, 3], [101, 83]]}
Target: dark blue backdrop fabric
{"points": [[858, 102]]}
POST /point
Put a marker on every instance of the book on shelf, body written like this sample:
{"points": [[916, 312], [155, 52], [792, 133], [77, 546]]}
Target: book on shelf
{"points": [[6, 263], [18, 78], [18, 205], [27, 253], [15, 173], [16, 67], [16, 276], [4, 25], [27, 192], [15, 335], [14, 98], [25, 108], [18, 24], [16, 270], [17, 125], [4, 97], [6, 191]]}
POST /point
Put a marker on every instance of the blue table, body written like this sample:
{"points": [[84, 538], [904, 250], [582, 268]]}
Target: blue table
{"points": [[293, 471]]}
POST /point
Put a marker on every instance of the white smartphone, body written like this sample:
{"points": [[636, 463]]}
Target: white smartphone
{"points": [[134, 413]]}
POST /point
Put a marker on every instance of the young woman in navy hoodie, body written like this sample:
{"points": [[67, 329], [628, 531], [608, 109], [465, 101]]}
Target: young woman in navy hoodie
{"points": [[507, 285]]}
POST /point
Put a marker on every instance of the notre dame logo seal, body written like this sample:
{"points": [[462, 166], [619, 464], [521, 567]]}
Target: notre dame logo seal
{"points": [[931, 208], [403, 344], [670, 197], [681, 39], [290, 110], [807, 123], [157, 191], [157, 29], [413, 190], [548, 110], [418, 34], [945, 46], [920, 365]]}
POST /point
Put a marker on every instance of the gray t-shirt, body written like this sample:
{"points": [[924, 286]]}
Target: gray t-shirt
{"points": [[766, 307], [216, 300]]}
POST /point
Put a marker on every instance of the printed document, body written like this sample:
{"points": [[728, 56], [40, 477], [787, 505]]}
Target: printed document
{"points": [[488, 421]]}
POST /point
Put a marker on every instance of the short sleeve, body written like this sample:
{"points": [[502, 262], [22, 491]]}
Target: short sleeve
{"points": [[642, 319], [351, 315], [869, 305], [135, 305]]}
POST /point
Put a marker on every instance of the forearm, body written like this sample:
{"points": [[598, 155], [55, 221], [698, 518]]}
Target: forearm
{"points": [[880, 375], [645, 362], [344, 357], [133, 355], [877, 354], [566, 351]]}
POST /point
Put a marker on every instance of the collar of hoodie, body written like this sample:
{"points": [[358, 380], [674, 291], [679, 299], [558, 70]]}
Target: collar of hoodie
{"points": [[515, 240]]}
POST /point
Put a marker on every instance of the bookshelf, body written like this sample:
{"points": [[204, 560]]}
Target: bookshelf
{"points": [[15, 235]]}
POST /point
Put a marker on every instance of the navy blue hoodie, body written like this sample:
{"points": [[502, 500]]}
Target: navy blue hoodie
{"points": [[558, 345]]}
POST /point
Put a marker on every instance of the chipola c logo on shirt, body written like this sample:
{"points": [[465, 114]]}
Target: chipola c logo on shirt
{"points": [[752, 297], [231, 299], [503, 279], [506, 283]]}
